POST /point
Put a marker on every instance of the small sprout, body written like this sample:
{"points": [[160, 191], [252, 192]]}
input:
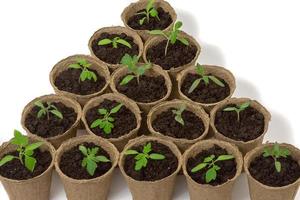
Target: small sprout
{"points": [[210, 164], [142, 158], [131, 64], [276, 152], [238, 109], [150, 12], [205, 78], [106, 122], [115, 41], [47, 110], [25, 150], [90, 160], [178, 114], [84, 66], [171, 36]]}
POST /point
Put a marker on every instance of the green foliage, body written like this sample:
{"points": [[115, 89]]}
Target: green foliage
{"points": [[205, 78], [150, 12], [84, 66], [238, 109], [25, 150], [91, 159], [209, 163], [276, 152], [47, 110], [142, 158], [131, 64], [178, 114], [106, 122], [171, 36], [115, 41]]}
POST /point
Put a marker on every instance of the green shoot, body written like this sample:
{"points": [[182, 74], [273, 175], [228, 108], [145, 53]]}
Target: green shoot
{"points": [[84, 66], [137, 71], [142, 158], [106, 122], [47, 110], [90, 160], [200, 71], [178, 114], [115, 41], [238, 109], [276, 152], [150, 12], [212, 168], [25, 150], [171, 36]]}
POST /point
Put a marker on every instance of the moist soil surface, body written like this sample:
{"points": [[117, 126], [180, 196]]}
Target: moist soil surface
{"points": [[164, 21], [155, 169], [166, 124], [17, 171], [69, 81], [53, 126], [210, 93], [70, 163], [249, 127], [125, 120], [149, 89], [227, 171], [112, 55], [263, 169], [178, 54]]}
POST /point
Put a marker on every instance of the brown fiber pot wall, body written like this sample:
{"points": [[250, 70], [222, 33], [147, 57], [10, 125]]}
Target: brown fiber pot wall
{"points": [[57, 140], [243, 146], [259, 191], [220, 72], [92, 189], [182, 143], [97, 65], [207, 192], [133, 8], [151, 190], [131, 105], [37, 188], [116, 30]]}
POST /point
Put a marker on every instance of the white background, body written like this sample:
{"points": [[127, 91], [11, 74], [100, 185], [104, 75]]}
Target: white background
{"points": [[257, 40]]}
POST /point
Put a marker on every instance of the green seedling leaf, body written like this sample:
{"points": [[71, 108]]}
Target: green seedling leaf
{"points": [[46, 110], [19, 139], [210, 175], [123, 42], [225, 157], [104, 42], [156, 156], [178, 114], [150, 12], [199, 167], [30, 163], [115, 41], [6, 159], [34, 146], [278, 166], [83, 65], [131, 152], [238, 109], [276, 152]]}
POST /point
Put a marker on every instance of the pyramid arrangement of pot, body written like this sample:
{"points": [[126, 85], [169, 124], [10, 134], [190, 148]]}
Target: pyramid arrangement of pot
{"points": [[150, 109]]}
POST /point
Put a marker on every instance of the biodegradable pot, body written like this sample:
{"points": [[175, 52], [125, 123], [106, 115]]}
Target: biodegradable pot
{"points": [[116, 30], [220, 72], [63, 65], [259, 191], [208, 192], [56, 140], [36, 188], [89, 189], [133, 8], [182, 143], [131, 105], [151, 190], [243, 146]]}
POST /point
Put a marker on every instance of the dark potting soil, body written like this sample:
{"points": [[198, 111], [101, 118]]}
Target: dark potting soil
{"points": [[112, 55], [17, 171], [249, 127], [164, 21], [149, 89], [69, 81], [263, 169], [178, 54], [53, 126], [125, 120], [70, 163], [155, 169], [227, 171], [210, 93], [166, 124]]}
